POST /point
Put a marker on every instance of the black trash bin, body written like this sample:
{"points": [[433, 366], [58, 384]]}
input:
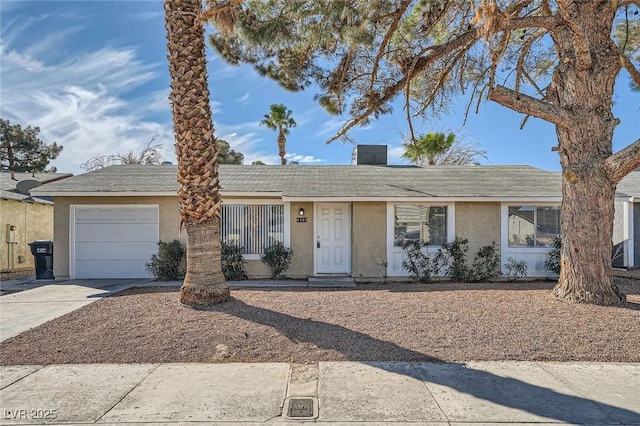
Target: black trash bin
{"points": [[42, 250]]}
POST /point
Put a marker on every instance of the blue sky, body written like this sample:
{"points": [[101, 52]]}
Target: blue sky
{"points": [[93, 76]]}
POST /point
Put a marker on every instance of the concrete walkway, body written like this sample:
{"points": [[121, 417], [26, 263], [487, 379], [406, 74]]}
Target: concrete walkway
{"points": [[347, 393]]}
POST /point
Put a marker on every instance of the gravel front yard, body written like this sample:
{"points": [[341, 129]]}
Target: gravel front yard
{"points": [[404, 322]]}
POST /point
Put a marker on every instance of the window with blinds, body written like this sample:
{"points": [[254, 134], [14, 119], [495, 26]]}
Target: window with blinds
{"points": [[252, 226]]}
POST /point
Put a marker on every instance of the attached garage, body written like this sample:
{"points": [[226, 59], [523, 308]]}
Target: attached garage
{"points": [[112, 241]]}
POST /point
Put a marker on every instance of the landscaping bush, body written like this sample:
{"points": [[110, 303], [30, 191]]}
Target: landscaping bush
{"points": [[233, 262], [419, 264], [165, 265], [486, 264], [278, 258], [453, 256], [552, 264], [515, 268]]}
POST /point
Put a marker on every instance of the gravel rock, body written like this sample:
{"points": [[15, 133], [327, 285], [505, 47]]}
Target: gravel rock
{"points": [[399, 322]]}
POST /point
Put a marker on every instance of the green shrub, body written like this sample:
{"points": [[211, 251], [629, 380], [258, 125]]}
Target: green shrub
{"points": [[515, 268], [552, 264], [165, 265], [278, 258], [453, 256], [233, 262], [486, 264], [418, 263]]}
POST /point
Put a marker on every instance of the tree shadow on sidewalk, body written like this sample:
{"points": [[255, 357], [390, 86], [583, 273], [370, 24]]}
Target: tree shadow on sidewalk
{"points": [[508, 392]]}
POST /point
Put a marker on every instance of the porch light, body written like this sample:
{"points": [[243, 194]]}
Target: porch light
{"points": [[301, 211]]}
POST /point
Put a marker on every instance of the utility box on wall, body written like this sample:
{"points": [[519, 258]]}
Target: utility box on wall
{"points": [[11, 235]]}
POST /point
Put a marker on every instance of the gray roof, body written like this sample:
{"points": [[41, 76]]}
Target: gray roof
{"points": [[362, 181], [630, 185], [8, 185]]}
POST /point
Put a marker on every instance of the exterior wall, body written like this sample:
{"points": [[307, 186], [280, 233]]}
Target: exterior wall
{"points": [[368, 241], [636, 235], [301, 241], [620, 235], [169, 223], [479, 223], [33, 221]]}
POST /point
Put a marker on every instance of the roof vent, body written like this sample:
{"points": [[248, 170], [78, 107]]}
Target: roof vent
{"points": [[370, 154]]}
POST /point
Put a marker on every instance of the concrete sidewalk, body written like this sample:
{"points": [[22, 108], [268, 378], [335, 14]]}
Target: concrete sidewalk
{"points": [[340, 393]]}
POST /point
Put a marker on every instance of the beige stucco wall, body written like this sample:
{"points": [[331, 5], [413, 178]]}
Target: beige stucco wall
{"points": [[369, 240], [479, 223], [302, 241], [168, 212], [33, 222]]}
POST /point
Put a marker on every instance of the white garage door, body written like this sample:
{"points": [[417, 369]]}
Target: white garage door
{"points": [[113, 241]]}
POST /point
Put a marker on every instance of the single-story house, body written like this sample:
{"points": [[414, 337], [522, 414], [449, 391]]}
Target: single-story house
{"points": [[342, 220], [23, 218]]}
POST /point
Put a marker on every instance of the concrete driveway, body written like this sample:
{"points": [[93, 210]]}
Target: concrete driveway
{"points": [[27, 309]]}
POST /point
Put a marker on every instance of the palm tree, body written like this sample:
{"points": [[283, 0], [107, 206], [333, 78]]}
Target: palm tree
{"points": [[204, 284], [279, 118], [438, 148]]}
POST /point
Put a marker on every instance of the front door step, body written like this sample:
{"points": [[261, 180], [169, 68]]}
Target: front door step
{"points": [[332, 281]]}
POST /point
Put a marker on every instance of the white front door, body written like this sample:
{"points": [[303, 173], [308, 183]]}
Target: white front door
{"points": [[333, 238]]}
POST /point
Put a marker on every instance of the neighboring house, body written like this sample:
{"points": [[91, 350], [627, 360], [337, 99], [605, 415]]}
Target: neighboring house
{"points": [[23, 219], [627, 223], [342, 220]]}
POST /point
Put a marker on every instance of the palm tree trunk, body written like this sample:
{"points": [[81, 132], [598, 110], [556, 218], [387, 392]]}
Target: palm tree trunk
{"points": [[204, 284], [282, 142]]}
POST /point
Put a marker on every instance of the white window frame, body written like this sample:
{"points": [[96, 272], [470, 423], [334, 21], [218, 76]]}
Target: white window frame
{"points": [[527, 253], [287, 217], [535, 223], [393, 250]]}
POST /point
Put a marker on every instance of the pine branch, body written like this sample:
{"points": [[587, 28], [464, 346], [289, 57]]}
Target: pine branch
{"points": [[529, 105], [631, 69], [624, 161], [526, 48]]}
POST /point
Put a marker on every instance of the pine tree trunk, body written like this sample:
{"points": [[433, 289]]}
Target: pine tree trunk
{"points": [[199, 194], [583, 82], [587, 229]]}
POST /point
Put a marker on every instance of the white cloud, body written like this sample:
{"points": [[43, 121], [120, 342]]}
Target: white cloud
{"points": [[80, 102], [302, 158], [244, 99]]}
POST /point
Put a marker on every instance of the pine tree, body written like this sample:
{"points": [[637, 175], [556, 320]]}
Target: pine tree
{"points": [[21, 150]]}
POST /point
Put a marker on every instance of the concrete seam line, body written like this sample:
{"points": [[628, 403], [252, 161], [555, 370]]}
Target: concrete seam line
{"points": [[424, 383], [23, 377], [127, 393], [542, 366]]}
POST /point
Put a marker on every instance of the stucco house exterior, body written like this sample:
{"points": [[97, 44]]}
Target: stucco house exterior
{"points": [[339, 220], [23, 218]]}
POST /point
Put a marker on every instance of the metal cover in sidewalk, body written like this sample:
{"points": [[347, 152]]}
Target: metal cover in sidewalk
{"points": [[300, 407]]}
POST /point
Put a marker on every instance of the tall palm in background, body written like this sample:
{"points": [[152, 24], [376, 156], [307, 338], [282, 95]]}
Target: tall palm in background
{"points": [[279, 118], [204, 284], [438, 148]]}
